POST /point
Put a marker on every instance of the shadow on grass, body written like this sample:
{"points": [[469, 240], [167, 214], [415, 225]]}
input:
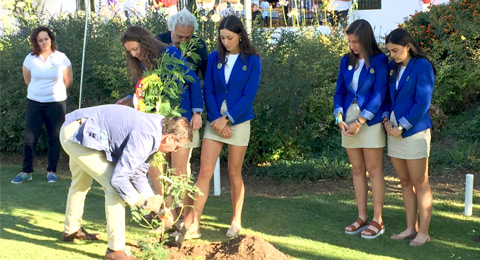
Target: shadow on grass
{"points": [[37, 194], [33, 212], [12, 228], [303, 226], [321, 219]]}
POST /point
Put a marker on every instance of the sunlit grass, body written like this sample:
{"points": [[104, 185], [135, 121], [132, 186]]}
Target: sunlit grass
{"points": [[304, 226], [455, 215], [457, 204]]}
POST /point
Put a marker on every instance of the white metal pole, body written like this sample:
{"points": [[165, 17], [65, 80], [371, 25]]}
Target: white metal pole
{"points": [[468, 194], [87, 10], [248, 16], [216, 179]]}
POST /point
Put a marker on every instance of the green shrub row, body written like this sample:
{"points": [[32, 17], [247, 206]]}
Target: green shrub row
{"points": [[293, 105], [450, 35], [105, 76], [458, 146], [294, 124], [310, 170], [294, 102]]}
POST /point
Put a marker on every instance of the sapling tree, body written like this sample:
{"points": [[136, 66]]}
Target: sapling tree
{"points": [[160, 92]]}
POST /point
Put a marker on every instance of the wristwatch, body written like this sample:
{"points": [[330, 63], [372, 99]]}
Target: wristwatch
{"points": [[400, 127], [197, 113], [144, 204]]}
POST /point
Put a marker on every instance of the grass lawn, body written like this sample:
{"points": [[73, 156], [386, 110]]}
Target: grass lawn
{"points": [[304, 225]]}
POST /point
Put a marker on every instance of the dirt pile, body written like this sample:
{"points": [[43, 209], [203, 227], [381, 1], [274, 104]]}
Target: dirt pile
{"points": [[244, 247]]}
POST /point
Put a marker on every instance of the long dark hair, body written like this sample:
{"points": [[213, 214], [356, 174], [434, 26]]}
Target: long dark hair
{"points": [[363, 30], [151, 49], [33, 40], [401, 37], [234, 24]]}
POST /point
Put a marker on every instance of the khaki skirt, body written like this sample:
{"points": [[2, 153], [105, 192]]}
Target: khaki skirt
{"points": [[416, 146], [368, 137], [240, 132], [195, 143]]}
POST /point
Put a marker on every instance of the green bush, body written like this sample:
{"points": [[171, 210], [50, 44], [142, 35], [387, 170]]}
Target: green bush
{"points": [[295, 99], [450, 35], [293, 131], [293, 105], [105, 76], [12, 92], [458, 145], [330, 166]]}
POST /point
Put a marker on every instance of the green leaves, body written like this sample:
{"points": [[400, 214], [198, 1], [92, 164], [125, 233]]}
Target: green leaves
{"points": [[165, 86], [188, 50], [152, 251], [449, 34], [294, 104], [162, 90]]}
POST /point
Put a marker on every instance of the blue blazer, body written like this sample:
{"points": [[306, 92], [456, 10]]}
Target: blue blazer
{"points": [[411, 101], [192, 98], [371, 91], [240, 91]]}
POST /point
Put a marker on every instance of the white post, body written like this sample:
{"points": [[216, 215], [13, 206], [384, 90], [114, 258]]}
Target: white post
{"points": [[248, 16], [87, 11], [468, 194], [216, 179]]}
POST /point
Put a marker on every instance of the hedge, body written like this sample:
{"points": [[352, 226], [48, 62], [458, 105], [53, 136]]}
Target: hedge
{"points": [[294, 102]]}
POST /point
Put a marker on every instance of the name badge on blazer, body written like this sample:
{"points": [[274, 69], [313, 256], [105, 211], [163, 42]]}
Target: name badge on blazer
{"points": [[372, 71], [219, 65]]}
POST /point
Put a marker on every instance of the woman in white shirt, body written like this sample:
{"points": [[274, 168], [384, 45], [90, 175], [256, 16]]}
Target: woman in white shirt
{"points": [[339, 12], [47, 73]]}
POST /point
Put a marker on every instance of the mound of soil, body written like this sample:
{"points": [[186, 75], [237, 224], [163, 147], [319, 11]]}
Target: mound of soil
{"points": [[244, 247]]}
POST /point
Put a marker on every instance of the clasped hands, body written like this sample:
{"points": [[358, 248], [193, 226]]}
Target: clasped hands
{"points": [[350, 129], [392, 131], [220, 125]]}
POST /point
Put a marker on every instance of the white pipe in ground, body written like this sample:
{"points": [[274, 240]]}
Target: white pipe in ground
{"points": [[468, 194], [216, 179]]}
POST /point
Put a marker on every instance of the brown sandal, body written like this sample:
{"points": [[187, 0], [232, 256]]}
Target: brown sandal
{"points": [[81, 234], [358, 226], [374, 230]]}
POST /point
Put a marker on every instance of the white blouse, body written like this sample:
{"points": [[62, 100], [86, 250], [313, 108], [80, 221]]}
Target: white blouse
{"points": [[356, 74], [231, 59], [337, 5], [46, 84], [400, 73]]}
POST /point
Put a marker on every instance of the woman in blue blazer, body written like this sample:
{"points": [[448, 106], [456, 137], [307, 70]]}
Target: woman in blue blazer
{"points": [[361, 88], [142, 49], [231, 83], [407, 122]]}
